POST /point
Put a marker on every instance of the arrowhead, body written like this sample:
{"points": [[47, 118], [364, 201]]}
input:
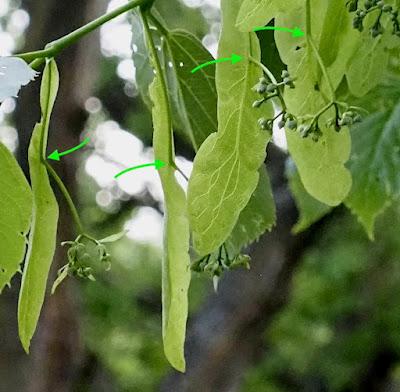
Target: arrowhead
{"points": [[297, 33], [55, 156], [159, 164], [235, 58]]}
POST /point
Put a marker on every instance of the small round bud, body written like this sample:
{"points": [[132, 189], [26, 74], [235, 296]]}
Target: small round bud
{"points": [[258, 103], [263, 123], [281, 124], [261, 88], [271, 88], [285, 74]]}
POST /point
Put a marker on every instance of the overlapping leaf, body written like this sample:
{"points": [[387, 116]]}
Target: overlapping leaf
{"points": [[225, 172], [258, 216], [321, 165], [196, 94], [15, 215], [42, 237], [310, 209], [375, 165], [254, 13]]}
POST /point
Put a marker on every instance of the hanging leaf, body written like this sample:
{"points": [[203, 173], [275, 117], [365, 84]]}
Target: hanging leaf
{"points": [[14, 73], [375, 165], [42, 237], [310, 209], [225, 172], [320, 164], [15, 215]]}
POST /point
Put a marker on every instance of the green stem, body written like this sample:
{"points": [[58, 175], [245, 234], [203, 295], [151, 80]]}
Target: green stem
{"points": [[265, 69], [160, 75], [273, 80], [67, 196], [314, 48], [36, 58]]}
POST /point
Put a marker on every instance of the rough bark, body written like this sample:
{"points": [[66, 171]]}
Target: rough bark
{"points": [[56, 348]]}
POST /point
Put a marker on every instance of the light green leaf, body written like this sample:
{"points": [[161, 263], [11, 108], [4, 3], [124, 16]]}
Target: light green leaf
{"points": [[176, 261], [15, 215], [368, 65], [257, 217], [42, 237], [375, 165], [196, 93], [310, 209], [225, 172], [320, 164], [254, 13]]}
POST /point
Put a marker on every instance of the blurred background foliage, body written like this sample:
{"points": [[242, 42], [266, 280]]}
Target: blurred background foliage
{"points": [[339, 328]]}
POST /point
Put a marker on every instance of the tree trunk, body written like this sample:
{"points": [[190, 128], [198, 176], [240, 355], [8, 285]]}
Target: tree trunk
{"points": [[56, 347]]}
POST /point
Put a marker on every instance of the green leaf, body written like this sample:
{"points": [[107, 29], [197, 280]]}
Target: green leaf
{"points": [[225, 172], [176, 261], [196, 94], [254, 13], [320, 164], [257, 217], [310, 209], [144, 70], [15, 215], [42, 237], [375, 165], [368, 64]]}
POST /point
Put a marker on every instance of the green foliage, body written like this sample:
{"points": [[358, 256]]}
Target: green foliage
{"points": [[225, 172], [256, 218], [310, 209], [343, 312], [144, 71], [175, 271], [375, 164], [195, 94], [345, 55], [15, 215], [254, 13], [42, 237], [321, 164]]}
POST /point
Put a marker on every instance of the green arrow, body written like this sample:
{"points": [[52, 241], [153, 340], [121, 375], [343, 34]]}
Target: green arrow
{"points": [[235, 58], [55, 155], [296, 32], [157, 164]]}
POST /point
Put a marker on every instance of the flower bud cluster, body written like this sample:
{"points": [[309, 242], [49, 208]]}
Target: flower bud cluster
{"points": [[381, 8]]}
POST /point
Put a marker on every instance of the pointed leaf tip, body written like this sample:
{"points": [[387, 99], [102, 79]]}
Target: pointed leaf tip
{"points": [[55, 156], [236, 58]]}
